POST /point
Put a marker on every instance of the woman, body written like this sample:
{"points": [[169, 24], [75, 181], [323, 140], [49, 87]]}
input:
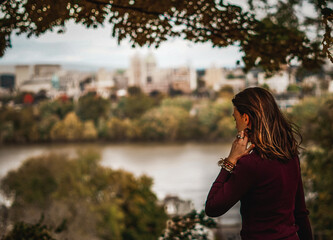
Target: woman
{"points": [[263, 172]]}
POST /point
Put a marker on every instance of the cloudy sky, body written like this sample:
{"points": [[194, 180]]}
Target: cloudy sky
{"points": [[87, 48]]}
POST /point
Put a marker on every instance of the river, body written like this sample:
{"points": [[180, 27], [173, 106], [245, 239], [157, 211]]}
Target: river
{"points": [[186, 170]]}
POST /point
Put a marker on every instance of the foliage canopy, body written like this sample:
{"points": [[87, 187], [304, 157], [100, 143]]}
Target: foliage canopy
{"points": [[95, 202], [270, 34]]}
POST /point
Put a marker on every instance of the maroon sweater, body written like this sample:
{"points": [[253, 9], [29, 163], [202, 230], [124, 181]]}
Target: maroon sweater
{"points": [[271, 195]]}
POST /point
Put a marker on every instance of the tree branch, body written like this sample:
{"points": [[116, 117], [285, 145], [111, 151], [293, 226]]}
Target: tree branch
{"points": [[215, 32], [126, 7]]}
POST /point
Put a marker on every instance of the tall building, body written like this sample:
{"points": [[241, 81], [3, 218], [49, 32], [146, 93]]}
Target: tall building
{"points": [[193, 79], [149, 69], [213, 77], [181, 79], [143, 73], [135, 71], [158, 81], [23, 73]]}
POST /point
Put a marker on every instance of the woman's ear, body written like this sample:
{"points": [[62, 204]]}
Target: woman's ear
{"points": [[246, 119]]}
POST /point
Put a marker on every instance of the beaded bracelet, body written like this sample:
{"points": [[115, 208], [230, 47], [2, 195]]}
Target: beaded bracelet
{"points": [[226, 164]]}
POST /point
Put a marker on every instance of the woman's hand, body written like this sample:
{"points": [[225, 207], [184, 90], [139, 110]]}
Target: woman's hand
{"points": [[239, 147]]}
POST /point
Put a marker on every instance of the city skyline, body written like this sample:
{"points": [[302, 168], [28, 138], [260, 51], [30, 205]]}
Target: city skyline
{"points": [[90, 49]]}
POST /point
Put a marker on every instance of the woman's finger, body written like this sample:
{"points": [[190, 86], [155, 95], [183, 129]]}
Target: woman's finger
{"points": [[247, 151], [243, 140], [249, 148], [246, 139], [242, 134]]}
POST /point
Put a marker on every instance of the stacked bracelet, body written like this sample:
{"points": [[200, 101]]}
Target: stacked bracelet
{"points": [[226, 164]]}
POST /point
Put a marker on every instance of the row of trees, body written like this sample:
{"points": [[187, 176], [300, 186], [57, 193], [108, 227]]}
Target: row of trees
{"points": [[133, 118]]}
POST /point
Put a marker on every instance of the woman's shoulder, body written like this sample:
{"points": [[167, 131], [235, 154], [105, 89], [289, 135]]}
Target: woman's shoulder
{"points": [[248, 166], [250, 158], [256, 163], [250, 161]]}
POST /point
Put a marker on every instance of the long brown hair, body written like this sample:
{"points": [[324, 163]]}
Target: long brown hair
{"points": [[273, 135]]}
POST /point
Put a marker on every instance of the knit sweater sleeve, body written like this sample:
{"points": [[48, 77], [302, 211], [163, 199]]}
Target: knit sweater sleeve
{"points": [[301, 214], [229, 188]]}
